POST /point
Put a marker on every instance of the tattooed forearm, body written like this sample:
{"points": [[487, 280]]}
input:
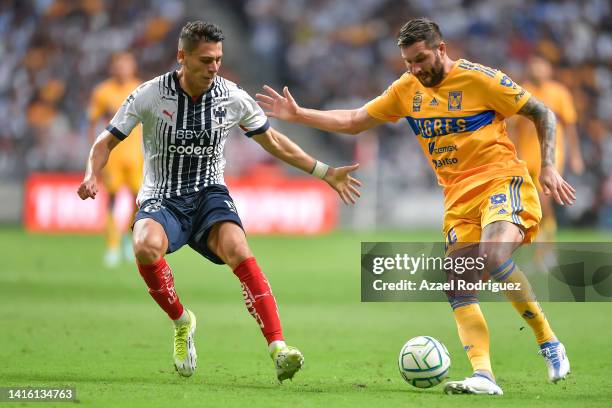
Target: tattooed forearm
{"points": [[546, 126]]}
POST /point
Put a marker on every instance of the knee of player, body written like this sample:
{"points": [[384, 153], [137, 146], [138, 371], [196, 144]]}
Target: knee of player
{"points": [[494, 254], [149, 249], [236, 254]]}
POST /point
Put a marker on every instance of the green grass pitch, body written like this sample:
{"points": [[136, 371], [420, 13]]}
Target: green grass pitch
{"points": [[67, 321]]}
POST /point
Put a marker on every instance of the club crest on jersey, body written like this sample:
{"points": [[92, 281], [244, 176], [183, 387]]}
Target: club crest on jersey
{"points": [[220, 114], [417, 99], [454, 100]]}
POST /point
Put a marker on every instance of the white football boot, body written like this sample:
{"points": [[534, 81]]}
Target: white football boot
{"points": [[556, 360], [185, 357], [477, 384], [288, 361]]}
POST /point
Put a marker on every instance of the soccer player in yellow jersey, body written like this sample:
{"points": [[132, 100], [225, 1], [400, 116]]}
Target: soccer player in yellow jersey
{"points": [[457, 111], [556, 96], [124, 167]]}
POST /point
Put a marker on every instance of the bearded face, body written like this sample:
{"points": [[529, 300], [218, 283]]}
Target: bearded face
{"points": [[424, 63]]}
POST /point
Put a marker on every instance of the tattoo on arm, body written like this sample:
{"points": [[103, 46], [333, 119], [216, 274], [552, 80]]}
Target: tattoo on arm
{"points": [[546, 126]]}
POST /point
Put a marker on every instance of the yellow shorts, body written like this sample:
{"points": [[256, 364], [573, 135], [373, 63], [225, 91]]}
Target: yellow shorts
{"points": [[513, 199], [122, 171]]}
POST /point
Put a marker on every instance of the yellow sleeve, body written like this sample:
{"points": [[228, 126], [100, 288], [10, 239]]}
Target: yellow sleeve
{"points": [[386, 106], [504, 95], [567, 110], [96, 105]]}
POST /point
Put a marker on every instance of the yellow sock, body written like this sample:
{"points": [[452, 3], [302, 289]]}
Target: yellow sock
{"points": [[535, 318], [524, 301], [474, 335]]}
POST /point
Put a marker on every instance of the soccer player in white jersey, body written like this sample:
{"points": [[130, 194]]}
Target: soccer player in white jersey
{"points": [[186, 117]]}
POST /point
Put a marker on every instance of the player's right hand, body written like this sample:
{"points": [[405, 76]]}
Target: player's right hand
{"points": [[88, 188], [278, 106]]}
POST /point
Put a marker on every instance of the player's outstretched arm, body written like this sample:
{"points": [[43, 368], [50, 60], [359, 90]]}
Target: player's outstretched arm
{"points": [[284, 107], [576, 161], [338, 178], [98, 156], [550, 179]]}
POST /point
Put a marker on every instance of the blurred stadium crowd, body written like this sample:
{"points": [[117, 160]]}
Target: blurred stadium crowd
{"points": [[332, 53], [53, 53]]}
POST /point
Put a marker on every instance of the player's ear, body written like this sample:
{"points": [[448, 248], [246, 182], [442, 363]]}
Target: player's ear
{"points": [[442, 48], [180, 56]]}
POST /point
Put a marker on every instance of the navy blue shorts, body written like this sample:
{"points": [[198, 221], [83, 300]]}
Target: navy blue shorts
{"points": [[189, 218]]}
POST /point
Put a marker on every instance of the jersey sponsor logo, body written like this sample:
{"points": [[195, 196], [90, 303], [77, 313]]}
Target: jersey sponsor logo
{"points": [[447, 161], [431, 146], [193, 142], [498, 198], [188, 134], [434, 102], [441, 149], [417, 99], [506, 81], [193, 150], [454, 100], [432, 127]]}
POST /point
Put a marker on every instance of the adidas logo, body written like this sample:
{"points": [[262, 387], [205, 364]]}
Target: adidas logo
{"points": [[434, 102], [528, 314], [502, 211]]}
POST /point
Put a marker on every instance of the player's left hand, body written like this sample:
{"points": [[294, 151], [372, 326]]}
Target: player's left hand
{"points": [[339, 179], [553, 184]]}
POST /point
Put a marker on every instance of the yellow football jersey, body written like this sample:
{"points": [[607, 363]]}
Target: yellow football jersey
{"points": [[558, 98], [106, 99], [459, 124]]}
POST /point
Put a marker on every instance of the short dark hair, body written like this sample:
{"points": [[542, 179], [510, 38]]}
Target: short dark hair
{"points": [[419, 29], [195, 31]]}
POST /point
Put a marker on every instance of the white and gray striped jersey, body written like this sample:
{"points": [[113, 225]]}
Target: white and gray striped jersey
{"points": [[183, 139]]}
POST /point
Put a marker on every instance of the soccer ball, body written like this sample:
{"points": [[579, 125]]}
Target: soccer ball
{"points": [[424, 362]]}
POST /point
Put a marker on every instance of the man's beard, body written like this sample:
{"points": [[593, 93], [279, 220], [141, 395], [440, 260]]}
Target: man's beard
{"points": [[434, 76]]}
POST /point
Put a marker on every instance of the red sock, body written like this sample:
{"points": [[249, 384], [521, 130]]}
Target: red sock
{"points": [[259, 299], [159, 279]]}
